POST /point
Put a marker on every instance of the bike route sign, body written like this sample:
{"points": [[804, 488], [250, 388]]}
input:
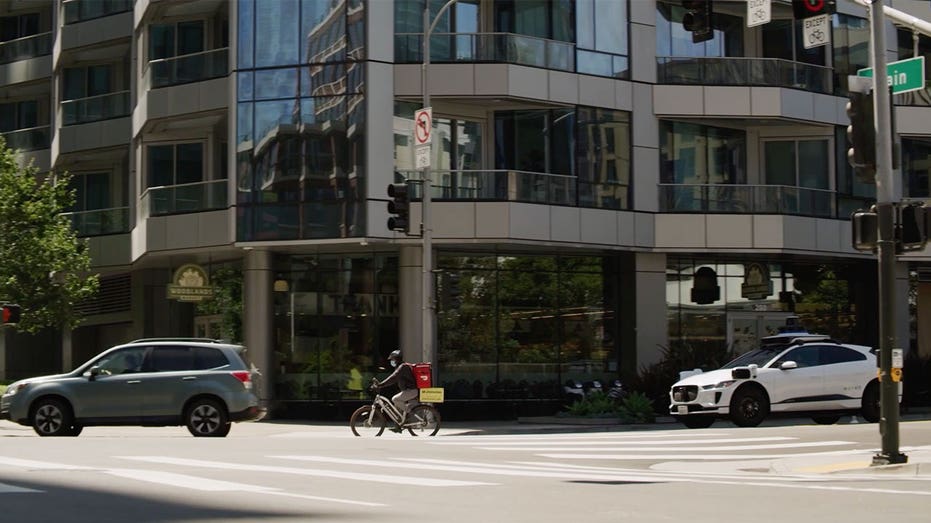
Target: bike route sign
{"points": [[903, 76]]}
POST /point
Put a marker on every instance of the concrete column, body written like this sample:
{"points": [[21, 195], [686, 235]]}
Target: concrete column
{"points": [[650, 289], [257, 319], [410, 282]]}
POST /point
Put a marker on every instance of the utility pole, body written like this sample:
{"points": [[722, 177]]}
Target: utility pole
{"points": [[427, 303], [886, 246]]}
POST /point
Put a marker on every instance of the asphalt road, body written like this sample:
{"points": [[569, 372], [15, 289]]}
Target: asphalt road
{"points": [[288, 472]]}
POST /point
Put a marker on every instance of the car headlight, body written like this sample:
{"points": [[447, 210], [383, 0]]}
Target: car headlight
{"points": [[16, 387], [720, 385]]}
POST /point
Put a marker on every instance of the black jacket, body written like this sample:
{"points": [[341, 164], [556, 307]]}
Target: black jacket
{"points": [[403, 377]]}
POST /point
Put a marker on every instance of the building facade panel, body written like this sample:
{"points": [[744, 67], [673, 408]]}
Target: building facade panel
{"points": [[593, 169]]}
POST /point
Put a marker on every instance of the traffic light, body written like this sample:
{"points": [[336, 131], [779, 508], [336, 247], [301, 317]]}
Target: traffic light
{"points": [[912, 232], [865, 228], [861, 134], [399, 206], [811, 8], [697, 19], [10, 313]]}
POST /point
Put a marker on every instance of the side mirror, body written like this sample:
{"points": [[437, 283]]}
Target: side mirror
{"points": [[93, 373], [788, 365]]}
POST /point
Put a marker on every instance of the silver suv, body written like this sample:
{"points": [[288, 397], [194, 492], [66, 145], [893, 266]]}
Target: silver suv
{"points": [[200, 383]]}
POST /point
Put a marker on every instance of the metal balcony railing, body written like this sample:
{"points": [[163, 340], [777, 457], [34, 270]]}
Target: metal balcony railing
{"points": [[520, 186], [486, 47], [185, 198], [26, 47], [98, 222], [81, 10], [746, 199], [194, 67], [95, 108], [735, 70], [31, 139]]}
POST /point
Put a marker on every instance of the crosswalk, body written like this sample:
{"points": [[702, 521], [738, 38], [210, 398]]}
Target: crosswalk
{"points": [[474, 461]]}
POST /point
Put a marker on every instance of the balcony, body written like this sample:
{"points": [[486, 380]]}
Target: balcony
{"points": [[195, 67], [742, 71], [746, 199], [185, 198], [520, 186], [31, 139], [95, 108], [26, 47], [100, 222], [82, 10], [486, 47]]}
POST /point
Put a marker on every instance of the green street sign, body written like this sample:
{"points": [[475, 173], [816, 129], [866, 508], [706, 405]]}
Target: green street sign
{"points": [[904, 75]]}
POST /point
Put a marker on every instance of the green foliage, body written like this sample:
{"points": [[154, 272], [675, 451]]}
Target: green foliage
{"points": [[594, 404], [46, 268], [636, 407], [226, 301]]}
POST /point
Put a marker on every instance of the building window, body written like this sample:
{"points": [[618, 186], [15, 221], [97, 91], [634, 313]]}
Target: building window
{"points": [[916, 166], [19, 26], [19, 115], [699, 154], [851, 37], [178, 39], [92, 191], [175, 164], [797, 163], [673, 40]]}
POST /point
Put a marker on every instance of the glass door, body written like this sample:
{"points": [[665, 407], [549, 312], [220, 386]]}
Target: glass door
{"points": [[745, 329]]}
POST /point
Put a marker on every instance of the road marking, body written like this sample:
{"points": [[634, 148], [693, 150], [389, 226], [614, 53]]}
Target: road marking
{"points": [[166, 478], [684, 448], [621, 441], [357, 476], [13, 489]]}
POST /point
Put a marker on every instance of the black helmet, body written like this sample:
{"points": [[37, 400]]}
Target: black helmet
{"points": [[395, 355]]}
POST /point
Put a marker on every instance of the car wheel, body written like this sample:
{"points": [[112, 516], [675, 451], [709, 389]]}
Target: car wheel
{"points": [[749, 407], [696, 422], [825, 420], [52, 417], [207, 418], [870, 409]]}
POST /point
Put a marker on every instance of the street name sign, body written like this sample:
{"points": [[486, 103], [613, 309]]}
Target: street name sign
{"points": [[903, 76]]}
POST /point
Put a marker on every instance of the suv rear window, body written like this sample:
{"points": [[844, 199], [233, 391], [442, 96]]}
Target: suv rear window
{"points": [[207, 358], [173, 358]]}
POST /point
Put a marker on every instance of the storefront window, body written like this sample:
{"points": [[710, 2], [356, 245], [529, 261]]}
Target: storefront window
{"points": [[336, 321], [517, 327]]}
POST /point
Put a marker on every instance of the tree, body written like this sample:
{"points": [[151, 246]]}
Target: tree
{"points": [[44, 266]]}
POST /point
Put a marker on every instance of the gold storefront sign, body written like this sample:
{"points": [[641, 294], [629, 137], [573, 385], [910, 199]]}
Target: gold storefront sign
{"points": [[190, 283], [757, 285]]}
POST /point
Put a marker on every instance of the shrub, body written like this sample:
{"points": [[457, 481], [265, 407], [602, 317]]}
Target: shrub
{"points": [[595, 404], [636, 407]]}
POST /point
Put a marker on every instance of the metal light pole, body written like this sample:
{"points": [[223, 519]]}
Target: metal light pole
{"points": [[429, 308], [885, 210]]}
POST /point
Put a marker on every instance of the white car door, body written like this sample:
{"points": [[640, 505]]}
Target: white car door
{"points": [[846, 373], [800, 387]]}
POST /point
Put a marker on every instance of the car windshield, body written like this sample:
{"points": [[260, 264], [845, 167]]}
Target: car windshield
{"points": [[760, 357]]}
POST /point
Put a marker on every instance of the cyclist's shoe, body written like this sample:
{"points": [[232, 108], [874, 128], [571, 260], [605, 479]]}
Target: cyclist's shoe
{"points": [[397, 429]]}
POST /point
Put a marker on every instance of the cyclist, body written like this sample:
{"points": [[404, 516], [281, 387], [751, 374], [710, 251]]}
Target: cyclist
{"points": [[403, 377]]}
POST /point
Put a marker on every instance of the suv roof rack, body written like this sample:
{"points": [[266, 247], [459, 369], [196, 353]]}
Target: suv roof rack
{"points": [[201, 340]]}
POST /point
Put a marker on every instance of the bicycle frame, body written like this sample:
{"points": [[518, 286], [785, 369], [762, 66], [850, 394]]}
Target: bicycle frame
{"points": [[387, 406]]}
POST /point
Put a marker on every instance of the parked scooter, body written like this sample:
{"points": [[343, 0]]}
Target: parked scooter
{"points": [[573, 391]]}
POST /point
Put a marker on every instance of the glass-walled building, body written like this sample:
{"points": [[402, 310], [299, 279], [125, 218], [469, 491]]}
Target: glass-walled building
{"points": [[607, 193]]}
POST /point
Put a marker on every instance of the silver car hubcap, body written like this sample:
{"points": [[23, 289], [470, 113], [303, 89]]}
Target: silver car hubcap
{"points": [[205, 419], [48, 419]]}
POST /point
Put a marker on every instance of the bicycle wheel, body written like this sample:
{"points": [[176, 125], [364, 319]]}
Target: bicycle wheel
{"points": [[424, 421], [367, 422]]}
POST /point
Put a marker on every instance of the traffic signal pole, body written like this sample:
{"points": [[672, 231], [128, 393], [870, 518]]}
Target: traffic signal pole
{"points": [[428, 352], [885, 210]]}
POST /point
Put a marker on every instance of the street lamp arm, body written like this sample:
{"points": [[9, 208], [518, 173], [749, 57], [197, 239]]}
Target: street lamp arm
{"points": [[436, 19]]}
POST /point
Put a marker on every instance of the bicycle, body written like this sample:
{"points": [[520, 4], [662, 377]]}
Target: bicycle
{"points": [[422, 418]]}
